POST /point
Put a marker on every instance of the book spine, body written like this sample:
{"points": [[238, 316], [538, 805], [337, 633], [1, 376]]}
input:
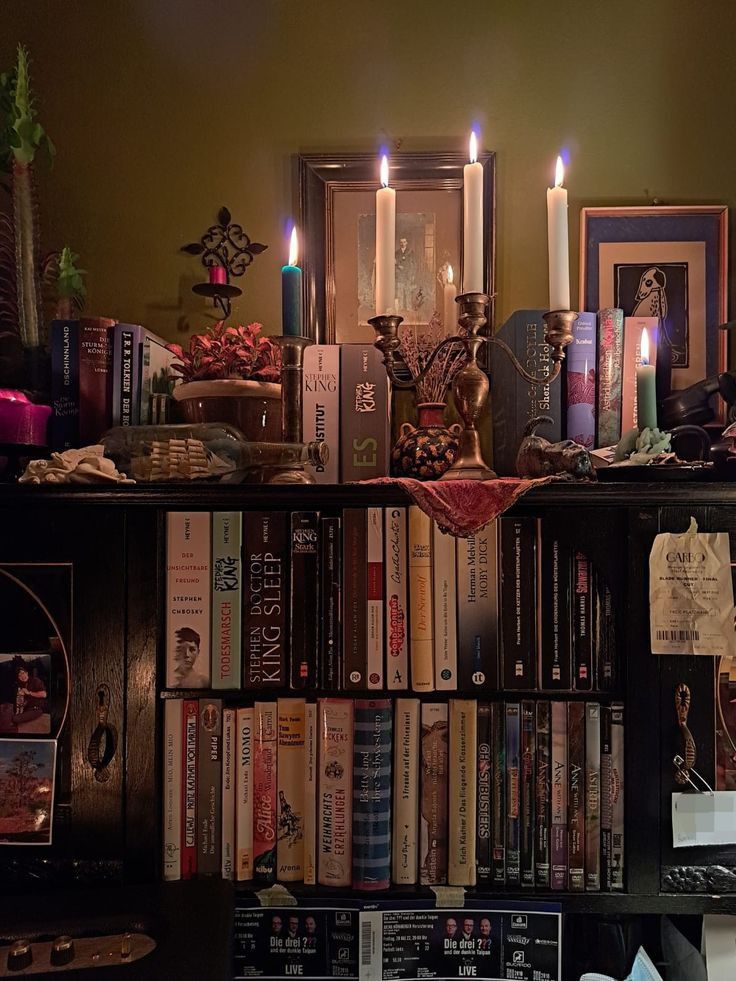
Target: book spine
{"points": [[513, 829], [321, 406], [228, 794], [576, 795], [396, 565], [582, 622], [355, 586], [518, 596], [209, 787], [406, 791], [610, 364], [606, 799], [364, 413], [374, 614], [580, 381], [335, 790], [265, 753], [420, 600], [556, 646], [477, 610], [190, 739], [592, 797], [433, 830], [483, 839], [372, 794], [498, 789], [304, 599], [559, 849], [528, 788], [444, 581], [331, 603], [633, 327], [290, 780], [172, 796], [126, 375], [227, 585], [265, 602], [606, 661], [95, 378], [245, 730], [188, 599], [617, 796], [543, 790], [310, 795], [65, 384], [463, 793]]}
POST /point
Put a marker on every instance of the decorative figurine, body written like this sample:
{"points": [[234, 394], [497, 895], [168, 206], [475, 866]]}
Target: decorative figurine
{"points": [[537, 457]]}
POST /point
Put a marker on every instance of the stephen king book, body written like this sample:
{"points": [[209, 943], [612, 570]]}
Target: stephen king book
{"points": [[462, 810], [576, 794], [544, 751], [374, 615], [617, 796], [355, 593], [610, 364], [209, 791], [498, 791], [483, 839], [421, 615], [190, 737], [265, 600], [373, 737], [330, 597], [364, 413], [580, 381], [559, 849], [304, 598], [555, 588], [227, 583], [335, 792], [245, 731], [444, 580], [527, 793], [310, 794], [405, 847], [513, 795], [321, 406], [592, 797], [582, 622], [265, 791], [433, 829], [478, 615], [228, 794], [188, 599], [290, 780], [396, 566], [172, 795], [519, 602]]}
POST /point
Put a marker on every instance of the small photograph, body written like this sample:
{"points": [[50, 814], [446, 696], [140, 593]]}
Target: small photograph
{"points": [[26, 791], [24, 694]]}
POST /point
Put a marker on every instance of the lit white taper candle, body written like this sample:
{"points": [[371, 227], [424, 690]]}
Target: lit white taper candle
{"points": [[557, 243], [385, 245], [449, 321], [473, 220]]}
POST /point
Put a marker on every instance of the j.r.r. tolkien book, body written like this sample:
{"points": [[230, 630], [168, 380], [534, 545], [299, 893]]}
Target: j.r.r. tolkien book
{"points": [[227, 860], [515, 402], [321, 406], [330, 592], [265, 751], [405, 850], [617, 796], [513, 796], [483, 838], [190, 738], [555, 588], [610, 364], [396, 567], [172, 790], [188, 599], [433, 829], [421, 617], [606, 798], [592, 796], [304, 598], [364, 413], [355, 591], [310, 794], [463, 783], [444, 583], [290, 780], [543, 789], [576, 795], [265, 598], [582, 622], [209, 787], [477, 610], [227, 582], [558, 827], [372, 747], [126, 374], [580, 381], [335, 792], [245, 732], [374, 587], [527, 767], [604, 632], [519, 602], [498, 792]]}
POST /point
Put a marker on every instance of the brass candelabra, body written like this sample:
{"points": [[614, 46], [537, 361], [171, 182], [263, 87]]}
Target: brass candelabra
{"points": [[470, 386]]}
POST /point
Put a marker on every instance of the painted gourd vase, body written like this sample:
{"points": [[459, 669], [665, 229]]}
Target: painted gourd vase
{"points": [[426, 451]]}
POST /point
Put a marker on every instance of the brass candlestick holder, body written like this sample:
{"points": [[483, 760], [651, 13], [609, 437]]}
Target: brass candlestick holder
{"points": [[292, 371], [470, 386]]}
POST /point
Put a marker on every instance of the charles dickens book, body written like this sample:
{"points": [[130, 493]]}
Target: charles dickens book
{"points": [[335, 792], [558, 825], [81, 372], [321, 406], [228, 794], [172, 788], [265, 751], [513, 795], [519, 602], [227, 582], [580, 381], [498, 793], [372, 747], [245, 732], [483, 838], [433, 794], [592, 796], [374, 613], [617, 796], [187, 599], [364, 413], [265, 598], [290, 780], [420, 600], [355, 592], [606, 798], [515, 402], [396, 575], [582, 622], [209, 793], [543, 792], [310, 794], [444, 581], [304, 598], [405, 850], [190, 739], [330, 593], [555, 587], [527, 795], [610, 365], [477, 610], [463, 792], [576, 794]]}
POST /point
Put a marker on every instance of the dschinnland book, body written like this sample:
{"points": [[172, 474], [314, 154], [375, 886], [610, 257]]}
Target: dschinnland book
{"points": [[374, 614], [513, 795], [519, 602], [310, 794], [477, 610], [544, 787], [209, 789], [330, 598], [321, 406], [335, 792], [290, 779], [228, 794], [265, 598], [265, 755], [355, 593], [610, 365], [173, 770], [444, 581], [559, 847], [364, 413], [433, 830], [396, 566], [405, 850], [64, 384], [245, 731], [576, 794], [527, 767], [421, 618], [592, 797], [580, 381], [373, 731], [190, 740], [483, 839], [555, 588], [227, 584], [462, 809], [304, 598], [188, 599], [498, 792]]}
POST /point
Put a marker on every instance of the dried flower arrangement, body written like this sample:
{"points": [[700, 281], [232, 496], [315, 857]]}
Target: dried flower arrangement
{"points": [[229, 352], [416, 349]]}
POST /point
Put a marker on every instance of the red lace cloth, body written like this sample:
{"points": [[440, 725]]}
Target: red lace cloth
{"points": [[463, 507]]}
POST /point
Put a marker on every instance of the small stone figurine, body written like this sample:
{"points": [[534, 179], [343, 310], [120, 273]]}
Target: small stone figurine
{"points": [[85, 466], [537, 457]]}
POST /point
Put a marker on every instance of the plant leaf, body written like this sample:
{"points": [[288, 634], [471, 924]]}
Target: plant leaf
{"points": [[223, 216], [194, 248], [256, 248]]}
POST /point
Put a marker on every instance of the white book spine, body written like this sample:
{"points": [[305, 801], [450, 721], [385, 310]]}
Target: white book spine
{"points": [[244, 795], [375, 598], [406, 792], [188, 599], [172, 788], [396, 574], [463, 794], [444, 580], [228, 793], [321, 406], [310, 795]]}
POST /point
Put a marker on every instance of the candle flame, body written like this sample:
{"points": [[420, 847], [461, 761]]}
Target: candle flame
{"points": [[384, 170], [473, 146], [559, 173], [644, 347], [293, 248], [450, 275]]}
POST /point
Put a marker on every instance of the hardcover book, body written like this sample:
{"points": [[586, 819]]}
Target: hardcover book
{"points": [[633, 327], [209, 790], [245, 725], [95, 378], [321, 406], [483, 838], [444, 581], [405, 851], [617, 796], [265, 602], [527, 793], [335, 791], [559, 846], [227, 583], [543, 790], [477, 610], [604, 624], [190, 738], [518, 597], [582, 624], [126, 374], [576, 794], [513, 795], [610, 364], [310, 795], [373, 736], [355, 592], [290, 780], [420, 600], [304, 598], [64, 384], [228, 794], [555, 587], [374, 616], [265, 791], [365, 401], [396, 565], [433, 830], [172, 789], [498, 790], [463, 750], [188, 599], [592, 797], [330, 597], [580, 381]]}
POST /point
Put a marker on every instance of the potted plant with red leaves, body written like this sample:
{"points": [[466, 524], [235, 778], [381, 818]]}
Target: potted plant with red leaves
{"points": [[231, 374]]}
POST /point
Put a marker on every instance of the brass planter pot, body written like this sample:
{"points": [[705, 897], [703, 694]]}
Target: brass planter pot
{"points": [[253, 407]]}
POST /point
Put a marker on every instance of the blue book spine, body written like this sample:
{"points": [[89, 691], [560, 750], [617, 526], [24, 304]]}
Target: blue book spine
{"points": [[65, 384], [372, 794], [126, 375], [581, 370]]}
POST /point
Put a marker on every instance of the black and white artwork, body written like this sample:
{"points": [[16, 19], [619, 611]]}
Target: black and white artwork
{"points": [[658, 290]]}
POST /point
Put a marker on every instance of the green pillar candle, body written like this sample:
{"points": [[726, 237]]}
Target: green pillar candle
{"points": [[291, 293], [646, 388]]}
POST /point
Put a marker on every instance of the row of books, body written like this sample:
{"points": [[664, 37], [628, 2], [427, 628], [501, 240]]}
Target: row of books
{"points": [[103, 374], [381, 599], [366, 793]]}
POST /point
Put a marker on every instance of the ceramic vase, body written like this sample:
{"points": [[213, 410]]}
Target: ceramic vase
{"points": [[426, 451]]}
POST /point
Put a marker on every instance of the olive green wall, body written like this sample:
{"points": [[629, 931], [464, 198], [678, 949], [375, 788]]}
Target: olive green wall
{"points": [[162, 110]]}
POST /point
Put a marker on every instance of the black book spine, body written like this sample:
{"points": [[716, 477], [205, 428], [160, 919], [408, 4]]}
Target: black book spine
{"points": [[576, 794], [543, 793], [304, 598], [556, 646], [265, 598], [209, 787], [606, 660], [582, 622], [606, 799], [355, 603], [330, 600], [518, 597], [527, 767], [513, 795], [483, 842], [498, 792]]}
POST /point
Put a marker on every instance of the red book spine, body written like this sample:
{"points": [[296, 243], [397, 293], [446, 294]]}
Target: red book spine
{"points": [[189, 789], [95, 378]]}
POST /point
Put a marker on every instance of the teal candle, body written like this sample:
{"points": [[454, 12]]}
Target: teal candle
{"points": [[646, 388], [291, 293]]}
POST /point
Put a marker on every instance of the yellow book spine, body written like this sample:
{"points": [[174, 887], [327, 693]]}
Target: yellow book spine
{"points": [[463, 768], [290, 776], [420, 600]]}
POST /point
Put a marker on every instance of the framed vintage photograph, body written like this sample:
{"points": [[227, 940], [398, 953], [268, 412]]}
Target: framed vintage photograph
{"points": [[666, 262], [337, 215], [27, 784]]}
